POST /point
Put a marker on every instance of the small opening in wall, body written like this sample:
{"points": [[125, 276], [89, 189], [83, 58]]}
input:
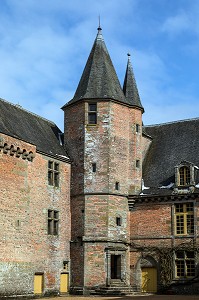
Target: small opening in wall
{"points": [[65, 265], [137, 128], [118, 221], [94, 167], [117, 185], [137, 163]]}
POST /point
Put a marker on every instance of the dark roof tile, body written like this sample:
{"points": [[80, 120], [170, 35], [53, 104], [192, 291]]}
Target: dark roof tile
{"points": [[22, 124]]}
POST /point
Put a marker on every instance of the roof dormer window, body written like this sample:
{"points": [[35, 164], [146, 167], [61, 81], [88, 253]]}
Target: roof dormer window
{"points": [[184, 174]]}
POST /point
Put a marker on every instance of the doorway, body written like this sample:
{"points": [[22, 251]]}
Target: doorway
{"points": [[115, 266], [149, 280]]}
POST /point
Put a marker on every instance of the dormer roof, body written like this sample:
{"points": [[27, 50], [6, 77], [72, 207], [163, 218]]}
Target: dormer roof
{"points": [[130, 87]]}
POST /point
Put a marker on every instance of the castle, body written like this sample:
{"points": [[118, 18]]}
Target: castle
{"points": [[110, 205]]}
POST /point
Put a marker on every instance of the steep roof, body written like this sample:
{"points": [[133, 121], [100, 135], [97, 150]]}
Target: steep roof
{"points": [[24, 125], [130, 87], [171, 144], [99, 79]]}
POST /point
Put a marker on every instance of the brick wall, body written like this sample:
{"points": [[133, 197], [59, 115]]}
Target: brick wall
{"points": [[114, 145], [26, 247]]}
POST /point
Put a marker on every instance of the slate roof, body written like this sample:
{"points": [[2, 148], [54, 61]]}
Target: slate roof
{"points": [[171, 144], [99, 79], [22, 124], [130, 87]]}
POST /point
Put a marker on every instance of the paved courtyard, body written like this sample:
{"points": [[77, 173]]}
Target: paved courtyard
{"points": [[141, 297]]}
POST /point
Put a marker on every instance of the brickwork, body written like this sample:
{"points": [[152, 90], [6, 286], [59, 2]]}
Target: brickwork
{"points": [[110, 144], [26, 247], [152, 229]]}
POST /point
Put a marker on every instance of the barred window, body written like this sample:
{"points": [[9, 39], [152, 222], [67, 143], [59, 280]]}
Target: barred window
{"points": [[53, 222], [53, 173], [184, 219], [184, 264], [92, 113]]}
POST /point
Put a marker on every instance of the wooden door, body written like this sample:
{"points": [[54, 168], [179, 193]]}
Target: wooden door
{"points": [[149, 280], [64, 283], [38, 283]]}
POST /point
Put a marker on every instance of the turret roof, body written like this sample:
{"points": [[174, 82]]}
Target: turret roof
{"points": [[130, 87], [99, 79]]}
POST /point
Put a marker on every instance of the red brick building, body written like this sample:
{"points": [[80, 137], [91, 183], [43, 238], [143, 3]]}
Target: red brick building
{"points": [[35, 204], [114, 210]]}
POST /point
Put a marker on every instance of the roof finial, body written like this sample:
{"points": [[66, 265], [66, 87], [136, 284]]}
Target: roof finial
{"points": [[99, 27]]}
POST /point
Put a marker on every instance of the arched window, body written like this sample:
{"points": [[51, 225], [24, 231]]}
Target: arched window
{"points": [[184, 175]]}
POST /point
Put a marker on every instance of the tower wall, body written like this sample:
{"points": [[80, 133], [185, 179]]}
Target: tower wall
{"points": [[99, 203]]}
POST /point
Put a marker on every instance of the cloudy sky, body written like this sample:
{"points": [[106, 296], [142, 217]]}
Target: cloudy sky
{"points": [[44, 45]]}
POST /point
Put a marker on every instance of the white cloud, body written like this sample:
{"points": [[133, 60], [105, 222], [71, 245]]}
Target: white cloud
{"points": [[44, 46]]}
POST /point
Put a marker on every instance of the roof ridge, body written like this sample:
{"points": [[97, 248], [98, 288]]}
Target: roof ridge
{"points": [[172, 122], [31, 113]]}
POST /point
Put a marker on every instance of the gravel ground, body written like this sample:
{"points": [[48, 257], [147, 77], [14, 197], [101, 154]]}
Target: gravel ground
{"points": [[141, 297]]}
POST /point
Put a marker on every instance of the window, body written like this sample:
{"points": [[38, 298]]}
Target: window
{"points": [[53, 221], [94, 167], [118, 221], [92, 113], [184, 175], [53, 173], [185, 264], [137, 163], [137, 127], [184, 218], [117, 186]]}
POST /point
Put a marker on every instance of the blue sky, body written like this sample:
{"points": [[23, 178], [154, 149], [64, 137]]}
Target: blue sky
{"points": [[44, 45]]}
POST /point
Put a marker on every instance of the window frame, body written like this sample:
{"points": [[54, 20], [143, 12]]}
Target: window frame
{"points": [[185, 264], [53, 173], [92, 113], [184, 218], [53, 222], [184, 176]]}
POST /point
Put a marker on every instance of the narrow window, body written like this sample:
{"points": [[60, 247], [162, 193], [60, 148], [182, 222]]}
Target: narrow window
{"points": [[118, 221], [53, 173], [137, 128], [92, 113], [94, 167], [184, 219], [184, 264], [53, 222], [137, 163], [184, 175], [117, 186]]}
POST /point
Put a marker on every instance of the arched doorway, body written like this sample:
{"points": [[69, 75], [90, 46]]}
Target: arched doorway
{"points": [[149, 275]]}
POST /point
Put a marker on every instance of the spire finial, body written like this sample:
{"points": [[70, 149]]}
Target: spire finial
{"points": [[99, 27], [128, 54]]}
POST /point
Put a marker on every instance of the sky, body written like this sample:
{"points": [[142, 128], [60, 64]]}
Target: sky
{"points": [[44, 46]]}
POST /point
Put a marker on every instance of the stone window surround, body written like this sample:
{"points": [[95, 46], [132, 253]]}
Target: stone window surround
{"points": [[183, 214], [184, 264], [53, 221]]}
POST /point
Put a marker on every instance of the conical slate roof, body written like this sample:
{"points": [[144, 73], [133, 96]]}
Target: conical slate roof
{"points": [[130, 87], [99, 79]]}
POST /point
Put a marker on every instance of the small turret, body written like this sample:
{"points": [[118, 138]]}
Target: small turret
{"points": [[130, 87]]}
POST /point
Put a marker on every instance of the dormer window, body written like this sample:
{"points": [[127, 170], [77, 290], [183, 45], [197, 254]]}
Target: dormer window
{"points": [[184, 173]]}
